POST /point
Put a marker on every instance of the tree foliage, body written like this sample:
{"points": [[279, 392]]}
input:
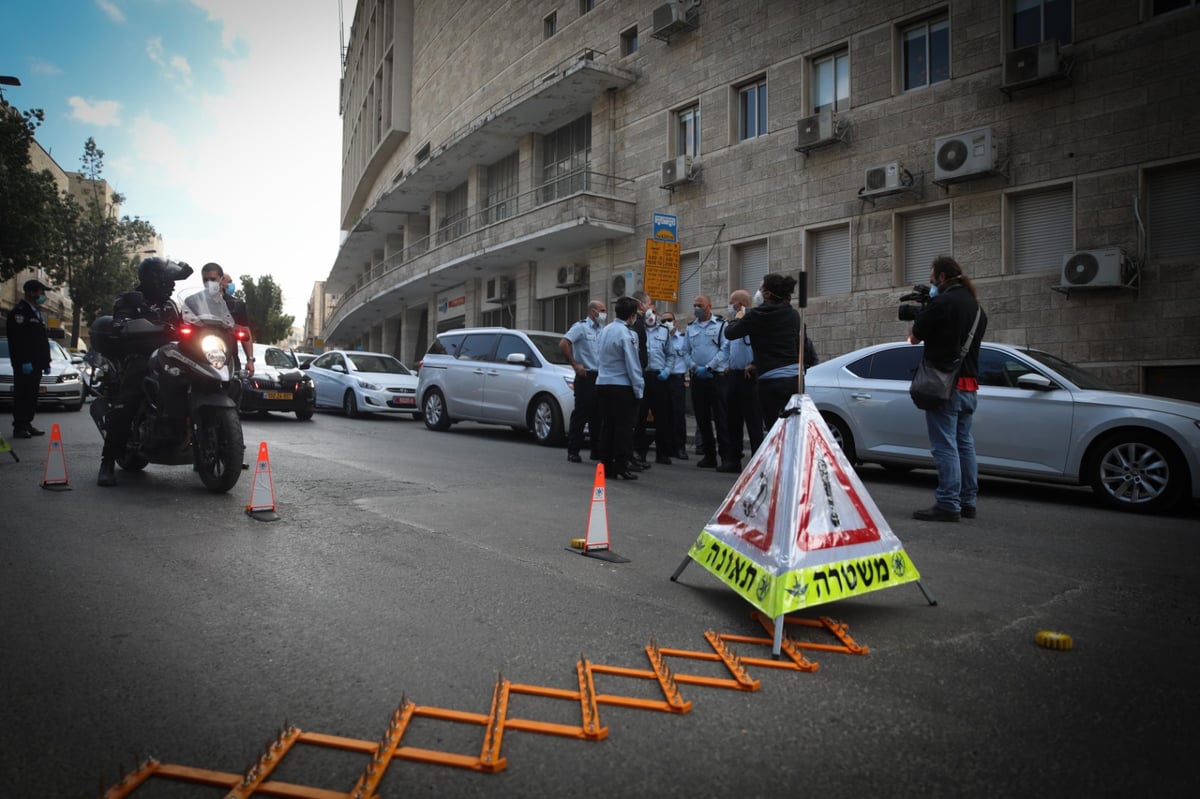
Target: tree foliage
{"points": [[264, 306], [28, 199]]}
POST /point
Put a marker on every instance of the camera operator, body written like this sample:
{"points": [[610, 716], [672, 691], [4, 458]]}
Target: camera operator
{"points": [[944, 324]]}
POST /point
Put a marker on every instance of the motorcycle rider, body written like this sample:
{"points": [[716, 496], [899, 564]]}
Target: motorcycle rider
{"points": [[150, 300]]}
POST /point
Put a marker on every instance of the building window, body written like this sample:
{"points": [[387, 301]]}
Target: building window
{"points": [[752, 264], [925, 52], [586, 6], [454, 220], [830, 256], [1173, 195], [687, 130], [559, 313], [503, 183], [1037, 21], [566, 154], [1043, 229], [831, 82], [752, 110], [550, 25], [502, 316], [924, 235], [689, 283], [629, 41]]}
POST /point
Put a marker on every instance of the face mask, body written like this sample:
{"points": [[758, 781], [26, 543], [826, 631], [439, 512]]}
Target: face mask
{"points": [[212, 286], [41, 300], [731, 311], [602, 317], [651, 319], [229, 289], [933, 291], [758, 297], [697, 311]]}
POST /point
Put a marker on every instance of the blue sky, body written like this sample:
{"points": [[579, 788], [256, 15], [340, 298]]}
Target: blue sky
{"points": [[218, 119]]}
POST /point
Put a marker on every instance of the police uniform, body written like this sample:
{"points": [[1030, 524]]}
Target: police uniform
{"points": [[584, 336], [29, 352], [741, 399], [657, 398], [677, 389], [707, 363]]}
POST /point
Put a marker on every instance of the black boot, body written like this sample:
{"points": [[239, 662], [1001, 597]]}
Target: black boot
{"points": [[107, 476]]}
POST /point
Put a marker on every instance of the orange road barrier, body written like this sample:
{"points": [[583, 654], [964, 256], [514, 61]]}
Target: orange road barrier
{"points": [[54, 477], [262, 492]]}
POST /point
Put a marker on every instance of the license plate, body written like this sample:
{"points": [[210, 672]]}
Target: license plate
{"points": [[405, 401], [42, 389], [278, 395]]}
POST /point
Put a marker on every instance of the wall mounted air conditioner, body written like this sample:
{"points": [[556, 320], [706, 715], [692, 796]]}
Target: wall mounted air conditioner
{"points": [[500, 289], [886, 178], [678, 171], [572, 275], [817, 130], [963, 156], [674, 17], [1030, 65], [1096, 269], [624, 283]]}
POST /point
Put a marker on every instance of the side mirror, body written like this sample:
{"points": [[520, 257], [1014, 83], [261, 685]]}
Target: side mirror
{"points": [[517, 357], [1035, 382], [337, 367], [76, 359]]}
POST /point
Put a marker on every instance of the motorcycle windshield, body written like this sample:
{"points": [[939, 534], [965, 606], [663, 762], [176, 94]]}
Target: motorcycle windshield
{"points": [[205, 307]]}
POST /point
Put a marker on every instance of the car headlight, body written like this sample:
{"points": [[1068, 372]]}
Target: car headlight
{"points": [[570, 381], [213, 348], [368, 386], [67, 377]]}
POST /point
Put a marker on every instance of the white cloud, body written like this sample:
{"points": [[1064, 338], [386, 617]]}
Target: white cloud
{"points": [[110, 8], [175, 68], [103, 112], [38, 67]]}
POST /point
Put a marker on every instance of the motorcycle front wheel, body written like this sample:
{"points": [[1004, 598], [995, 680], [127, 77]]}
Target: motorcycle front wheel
{"points": [[219, 448]]}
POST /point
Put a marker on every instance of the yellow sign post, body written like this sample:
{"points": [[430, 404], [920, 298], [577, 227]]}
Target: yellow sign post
{"points": [[662, 270]]}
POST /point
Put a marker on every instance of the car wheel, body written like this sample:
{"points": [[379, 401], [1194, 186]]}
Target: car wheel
{"points": [[547, 422], [350, 405], [841, 436], [1137, 470], [435, 414], [304, 415]]}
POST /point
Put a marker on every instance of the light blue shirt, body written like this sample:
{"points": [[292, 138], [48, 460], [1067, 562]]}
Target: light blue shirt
{"points": [[584, 337], [619, 361], [658, 354], [678, 358], [706, 344], [739, 353]]}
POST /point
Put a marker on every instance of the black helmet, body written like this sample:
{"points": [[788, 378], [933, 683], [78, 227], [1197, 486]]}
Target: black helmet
{"points": [[157, 276]]}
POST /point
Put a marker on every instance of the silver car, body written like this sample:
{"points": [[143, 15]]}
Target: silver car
{"points": [[363, 382], [63, 386], [1039, 418], [498, 376]]}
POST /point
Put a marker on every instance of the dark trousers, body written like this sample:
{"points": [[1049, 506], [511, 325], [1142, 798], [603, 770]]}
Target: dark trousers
{"points": [[678, 394], [742, 409], [587, 411], [25, 394], [124, 408], [773, 396], [708, 401], [618, 414], [656, 400]]}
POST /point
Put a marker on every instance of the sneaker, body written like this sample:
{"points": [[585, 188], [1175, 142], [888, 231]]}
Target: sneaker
{"points": [[573, 457], [707, 463], [967, 512], [730, 467], [936, 514]]}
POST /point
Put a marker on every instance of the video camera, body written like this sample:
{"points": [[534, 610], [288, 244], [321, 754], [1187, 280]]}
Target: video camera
{"points": [[920, 295]]}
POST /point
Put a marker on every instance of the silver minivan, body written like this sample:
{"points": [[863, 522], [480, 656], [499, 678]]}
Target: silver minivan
{"points": [[496, 375]]}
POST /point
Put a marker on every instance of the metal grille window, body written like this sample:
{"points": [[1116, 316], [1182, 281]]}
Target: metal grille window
{"points": [[566, 154], [831, 82], [1036, 21], [1043, 229], [454, 221], [752, 110], [687, 127], [753, 260], [926, 53], [503, 182], [926, 235], [831, 260], [1174, 206]]}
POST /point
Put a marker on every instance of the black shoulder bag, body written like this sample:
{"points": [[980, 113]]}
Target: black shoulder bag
{"points": [[932, 386]]}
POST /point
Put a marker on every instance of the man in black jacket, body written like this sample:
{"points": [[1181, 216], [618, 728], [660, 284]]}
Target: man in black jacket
{"points": [[944, 325], [29, 352]]}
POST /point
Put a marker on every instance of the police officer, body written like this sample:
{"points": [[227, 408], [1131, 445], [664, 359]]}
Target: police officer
{"points": [[741, 390], [707, 362], [213, 272], [579, 348], [619, 388], [29, 351], [150, 300], [677, 365], [659, 358]]}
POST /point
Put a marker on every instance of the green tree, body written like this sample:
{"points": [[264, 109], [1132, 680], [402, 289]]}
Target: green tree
{"points": [[95, 250], [264, 306], [28, 199]]}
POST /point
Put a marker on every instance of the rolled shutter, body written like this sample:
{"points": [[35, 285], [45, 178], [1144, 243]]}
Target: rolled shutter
{"points": [[926, 236], [1043, 229], [1174, 207], [831, 261], [754, 265]]}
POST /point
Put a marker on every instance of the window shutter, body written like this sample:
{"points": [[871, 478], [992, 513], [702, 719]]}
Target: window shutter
{"points": [[689, 281], [754, 264], [1174, 195], [926, 236], [1043, 230], [831, 261]]}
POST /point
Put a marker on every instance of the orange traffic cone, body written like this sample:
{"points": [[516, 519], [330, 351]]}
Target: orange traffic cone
{"points": [[54, 477], [262, 493], [595, 544]]}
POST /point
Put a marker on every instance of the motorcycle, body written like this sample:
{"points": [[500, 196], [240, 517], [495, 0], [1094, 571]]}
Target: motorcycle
{"points": [[189, 405]]}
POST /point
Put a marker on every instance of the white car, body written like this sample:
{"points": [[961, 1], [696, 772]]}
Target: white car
{"points": [[363, 382], [63, 386], [1039, 418]]}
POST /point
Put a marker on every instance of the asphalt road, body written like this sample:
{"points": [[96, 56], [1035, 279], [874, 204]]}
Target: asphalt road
{"points": [[158, 618]]}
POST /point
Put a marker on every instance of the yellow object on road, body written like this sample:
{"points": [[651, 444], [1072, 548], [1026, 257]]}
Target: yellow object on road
{"points": [[1052, 640]]}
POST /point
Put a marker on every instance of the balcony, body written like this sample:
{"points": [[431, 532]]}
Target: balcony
{"points": [[563, 216]]}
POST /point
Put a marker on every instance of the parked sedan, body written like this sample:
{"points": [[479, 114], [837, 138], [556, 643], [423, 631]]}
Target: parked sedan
{"points": [[363, 382], [277, 384], [62, 387], [1039, 418]]}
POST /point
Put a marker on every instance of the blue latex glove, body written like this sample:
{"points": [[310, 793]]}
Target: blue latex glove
{"points": [[26, 368], [702, 372], [663, 374], [46, 371]]}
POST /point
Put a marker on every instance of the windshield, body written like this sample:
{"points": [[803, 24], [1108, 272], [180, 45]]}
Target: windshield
{"points": [[383, 364], [1070, 371], [204, 307]]}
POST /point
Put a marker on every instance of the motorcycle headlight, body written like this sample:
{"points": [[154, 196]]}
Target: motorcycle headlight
{"points": [[367, 386], [213, 348]]}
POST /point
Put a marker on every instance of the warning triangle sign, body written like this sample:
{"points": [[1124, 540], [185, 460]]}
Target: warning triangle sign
{"points": [[798, 528]]}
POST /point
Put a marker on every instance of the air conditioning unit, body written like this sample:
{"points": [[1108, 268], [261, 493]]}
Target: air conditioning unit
{"points": [[624, 283], [678, 171], [500, 289], [964, 155], [1096, 269], [572, 275], [817, 129], [1033, 64], [673, 17], [886, 178]]}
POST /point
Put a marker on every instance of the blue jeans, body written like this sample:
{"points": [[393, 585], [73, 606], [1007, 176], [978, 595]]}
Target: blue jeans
{"points": [[953, 450]]}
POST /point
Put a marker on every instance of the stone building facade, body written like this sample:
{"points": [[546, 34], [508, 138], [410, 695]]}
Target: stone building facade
{"points": [[502, 163]]}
